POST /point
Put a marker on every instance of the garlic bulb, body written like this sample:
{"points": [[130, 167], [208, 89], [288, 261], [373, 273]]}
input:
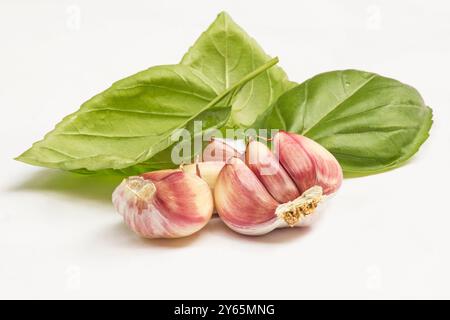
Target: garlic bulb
{"points": [[255, 191], [164, 204], [262, 194], [245, 205]]}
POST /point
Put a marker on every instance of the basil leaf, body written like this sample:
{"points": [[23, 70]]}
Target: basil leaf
{"points": [[134, 119], [370, 123], [211, 119], [223, 54]]}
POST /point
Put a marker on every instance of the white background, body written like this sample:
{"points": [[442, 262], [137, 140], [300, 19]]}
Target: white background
{"points": [[384, 236]]}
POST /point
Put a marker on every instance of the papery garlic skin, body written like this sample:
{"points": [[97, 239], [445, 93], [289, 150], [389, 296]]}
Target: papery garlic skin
{"points": [[245, 205], [307, 162], [164, 204]]}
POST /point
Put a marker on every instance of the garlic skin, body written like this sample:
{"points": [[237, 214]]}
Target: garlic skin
{"points": [[164, 204], [307, 162], [245, 205]]}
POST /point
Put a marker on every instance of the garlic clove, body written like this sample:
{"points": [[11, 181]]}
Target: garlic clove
{"points": [[220, 150], [247, 208], [169, 204], [269, 171], [329, 173], [242, 201], [307, 162], [208, 171]]}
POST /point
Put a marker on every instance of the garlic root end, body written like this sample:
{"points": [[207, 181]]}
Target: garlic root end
{"points": [[293, 212]]}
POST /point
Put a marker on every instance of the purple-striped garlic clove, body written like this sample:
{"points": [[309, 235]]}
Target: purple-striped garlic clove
{"points": [[307, 162], [269, 171], [245, 205], [220, 150], [242, 201], [164, 204]]}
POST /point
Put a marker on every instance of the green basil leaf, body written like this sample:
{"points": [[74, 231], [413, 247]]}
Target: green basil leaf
{"points": [[211, 119], [370, 123], [133, 120], [223, 54]]}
